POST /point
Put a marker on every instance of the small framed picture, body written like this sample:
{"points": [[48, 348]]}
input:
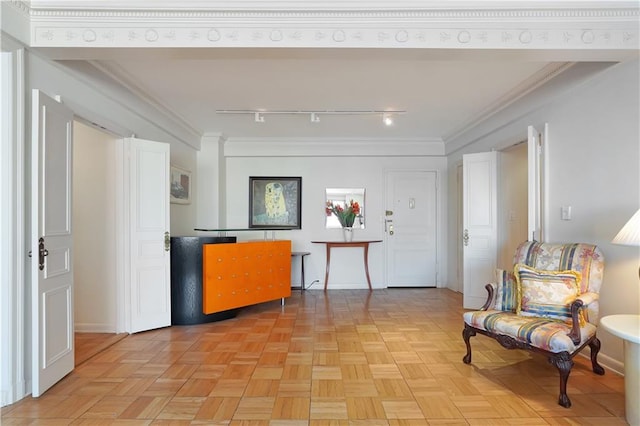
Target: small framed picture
{"points": [[275, 202], [180, 186]]}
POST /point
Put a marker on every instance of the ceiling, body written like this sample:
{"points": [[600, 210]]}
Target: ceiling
{"points": [[193, 58], [440, 96]]}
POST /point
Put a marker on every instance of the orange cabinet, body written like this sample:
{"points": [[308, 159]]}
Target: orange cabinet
{"points": [[245, 273]]}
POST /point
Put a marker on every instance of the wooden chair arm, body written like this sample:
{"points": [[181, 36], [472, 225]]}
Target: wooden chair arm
{"points": [[487, 304], [574, 335]]}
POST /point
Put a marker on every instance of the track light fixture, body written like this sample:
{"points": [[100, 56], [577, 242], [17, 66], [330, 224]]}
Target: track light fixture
{"points": [[314, 115]]}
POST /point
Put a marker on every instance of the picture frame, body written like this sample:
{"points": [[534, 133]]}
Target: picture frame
{"points": [[275, 202], [180, 186]]}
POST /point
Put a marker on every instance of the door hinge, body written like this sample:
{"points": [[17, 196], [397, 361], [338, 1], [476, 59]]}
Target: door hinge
{"points": [[167, 241]]}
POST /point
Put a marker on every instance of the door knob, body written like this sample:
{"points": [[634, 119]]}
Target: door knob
{"points": [[465, 237], [167, 241]]}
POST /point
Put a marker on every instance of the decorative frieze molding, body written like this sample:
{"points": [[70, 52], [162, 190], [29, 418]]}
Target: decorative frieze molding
{"points": [[231, 36], [475, 26]]}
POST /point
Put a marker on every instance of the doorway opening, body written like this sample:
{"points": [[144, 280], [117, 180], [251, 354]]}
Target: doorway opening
{"points": [[94, 240], [512, 207]]}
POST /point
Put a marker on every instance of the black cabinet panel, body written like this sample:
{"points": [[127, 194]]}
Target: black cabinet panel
{"points": [[186, 281]]}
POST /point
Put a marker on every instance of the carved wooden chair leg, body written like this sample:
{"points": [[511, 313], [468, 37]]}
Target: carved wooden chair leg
{"points": [[594, 345], [466, 335], [563, 362]]}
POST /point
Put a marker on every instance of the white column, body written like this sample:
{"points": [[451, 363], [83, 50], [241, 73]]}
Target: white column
{"points": [[211, 195]]}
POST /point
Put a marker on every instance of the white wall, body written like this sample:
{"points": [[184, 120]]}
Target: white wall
{"points": [[183, 216], [121, 114], [318, 173], [594, 152], [94, 221]]}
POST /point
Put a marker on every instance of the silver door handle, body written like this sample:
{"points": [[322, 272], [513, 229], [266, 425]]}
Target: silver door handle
{"points": [[388, 228], [465, 237]]}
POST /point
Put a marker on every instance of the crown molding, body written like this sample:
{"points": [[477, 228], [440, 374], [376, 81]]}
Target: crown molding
{"points": [[332, 147], [527, 86], [409, 24], [121, 76]]}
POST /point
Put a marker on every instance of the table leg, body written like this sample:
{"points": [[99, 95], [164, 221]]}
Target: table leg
{"points": [[326, 275], [302, 272], [366, 264]]}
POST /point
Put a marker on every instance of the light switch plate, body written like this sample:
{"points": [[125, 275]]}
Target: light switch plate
{"points": [[566, 212]]}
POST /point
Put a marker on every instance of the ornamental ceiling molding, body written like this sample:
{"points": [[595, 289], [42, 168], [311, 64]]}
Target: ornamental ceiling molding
{"points": [[503, 28]]}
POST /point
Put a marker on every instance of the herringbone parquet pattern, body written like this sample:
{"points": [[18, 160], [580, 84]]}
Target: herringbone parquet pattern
{"points": [[387, 357]]}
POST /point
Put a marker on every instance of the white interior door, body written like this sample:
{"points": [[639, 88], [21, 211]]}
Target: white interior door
{"points": [[459, 226], [51, 242], [148, 217], [410, 224], [480, 225], [536, 182]]}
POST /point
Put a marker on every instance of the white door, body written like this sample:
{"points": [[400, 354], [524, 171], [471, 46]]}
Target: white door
{"points": [[51, 243], [536, 182], [148, 217], [410, 224], [480, 225], [460, 226]]}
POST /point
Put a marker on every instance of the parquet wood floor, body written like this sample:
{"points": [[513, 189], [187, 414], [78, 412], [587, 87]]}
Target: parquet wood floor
{"points": [[90, 344], [383, 358]]}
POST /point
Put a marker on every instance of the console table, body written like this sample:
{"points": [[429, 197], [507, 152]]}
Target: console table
{"points": [[338, 244]]}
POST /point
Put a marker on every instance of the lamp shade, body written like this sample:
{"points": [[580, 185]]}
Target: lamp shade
{"points": [[629, 235]]}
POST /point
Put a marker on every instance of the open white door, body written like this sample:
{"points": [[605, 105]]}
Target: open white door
{"points": [[480, 225], [410, 225], [149, 243], [51, 243], [536, 167]]}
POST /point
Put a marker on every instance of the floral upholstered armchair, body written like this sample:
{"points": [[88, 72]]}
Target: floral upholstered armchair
{"points": [[548, 304]]}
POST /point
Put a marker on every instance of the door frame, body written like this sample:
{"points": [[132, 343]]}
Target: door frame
{"points": [[15, 266]]}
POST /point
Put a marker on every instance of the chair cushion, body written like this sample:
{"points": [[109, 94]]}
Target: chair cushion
{"points": [[543, 333], [546, 294], [505, 291]]}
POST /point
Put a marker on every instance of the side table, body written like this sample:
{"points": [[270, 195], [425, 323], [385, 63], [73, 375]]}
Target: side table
{"points": [[301, 254], [332, 244], [627, 327]]}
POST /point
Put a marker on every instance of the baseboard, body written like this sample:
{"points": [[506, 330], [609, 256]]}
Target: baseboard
{"points": [[607, 362], [345, 286], [15, 393], [94, 328]]}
